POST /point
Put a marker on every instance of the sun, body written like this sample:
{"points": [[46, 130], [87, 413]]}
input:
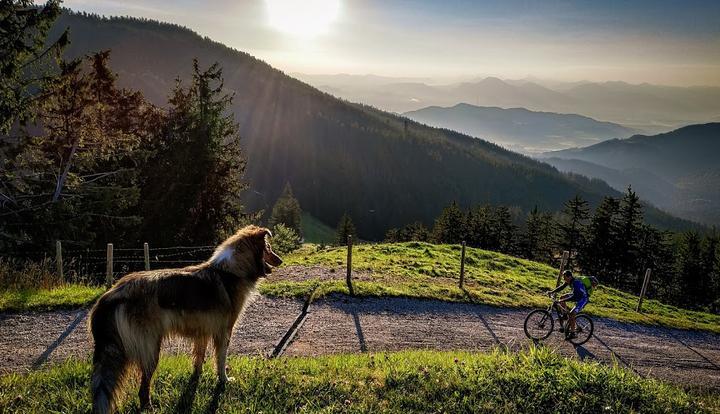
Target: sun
{"points": [[303, 18]]}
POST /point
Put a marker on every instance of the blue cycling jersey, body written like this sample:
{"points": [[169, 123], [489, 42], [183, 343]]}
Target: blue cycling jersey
{"points": [[579, 291]]}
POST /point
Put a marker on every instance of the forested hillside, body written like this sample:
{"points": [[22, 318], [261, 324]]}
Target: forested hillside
{"points": [[383, 170], [677, 171]]}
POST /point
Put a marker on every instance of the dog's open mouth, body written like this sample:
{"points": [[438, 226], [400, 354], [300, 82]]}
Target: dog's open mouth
{"points": [[270, 260]]}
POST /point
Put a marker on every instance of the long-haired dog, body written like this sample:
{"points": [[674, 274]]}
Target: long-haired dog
{"points": [[129, 322]]}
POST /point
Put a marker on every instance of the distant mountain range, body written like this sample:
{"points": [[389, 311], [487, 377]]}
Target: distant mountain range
{"points": [[520, 129], [382, 169], [644, 107], [678, 171]]}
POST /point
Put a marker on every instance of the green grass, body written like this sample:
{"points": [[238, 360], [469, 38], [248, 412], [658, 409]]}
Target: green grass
{"points": [[65, 296], [535, 381], [315, 231], [418, 270], [425, 270]]}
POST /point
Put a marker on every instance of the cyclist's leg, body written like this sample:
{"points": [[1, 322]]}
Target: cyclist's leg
{"points": [[561, 302], [579, 305]]}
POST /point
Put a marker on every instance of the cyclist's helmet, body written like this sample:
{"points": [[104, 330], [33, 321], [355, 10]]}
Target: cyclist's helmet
{"points": [[567, 273]]}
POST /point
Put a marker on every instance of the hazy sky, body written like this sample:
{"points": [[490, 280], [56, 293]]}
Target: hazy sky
{"points": [[656, 41]]}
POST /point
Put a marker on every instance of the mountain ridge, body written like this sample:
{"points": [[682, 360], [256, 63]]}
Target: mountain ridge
{"points": [[686, 158], [384, 170], [520, 128]]}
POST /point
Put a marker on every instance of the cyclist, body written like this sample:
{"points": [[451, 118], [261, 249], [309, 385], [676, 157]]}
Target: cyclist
{"points": [[579, 295]]}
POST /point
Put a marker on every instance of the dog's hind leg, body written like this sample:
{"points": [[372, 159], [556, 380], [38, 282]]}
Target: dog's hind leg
{"points": [[148, 365], [199, 348], [221, 342]]}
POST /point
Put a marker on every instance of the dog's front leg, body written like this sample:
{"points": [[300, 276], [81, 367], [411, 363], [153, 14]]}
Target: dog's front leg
{"points": [[199, 349], [221, 347]]}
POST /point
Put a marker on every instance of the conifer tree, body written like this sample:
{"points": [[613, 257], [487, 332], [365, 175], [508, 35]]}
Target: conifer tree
{"points": [[573, 223], [27, 57], [597, 255], [345, 228], [450, 225], [629, 224], [479, 223], [287, 211], [505, 229], [539, 241], [192, 185], [77, 178]]}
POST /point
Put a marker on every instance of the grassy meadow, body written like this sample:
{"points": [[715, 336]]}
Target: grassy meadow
{"points": [[419, 270], [425, 270], [534, 381]]}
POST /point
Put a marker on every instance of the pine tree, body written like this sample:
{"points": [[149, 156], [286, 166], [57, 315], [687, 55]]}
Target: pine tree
{"points": [[415, 231], [287, 211], [27, 57], [505, 229], [597, 255], [539, 241], [572, 225], [689, 269], [709, 279], [345, 228], [480, 228], [450, 225], [393, 236], [192, 185], [630, 219], [77, 178]]}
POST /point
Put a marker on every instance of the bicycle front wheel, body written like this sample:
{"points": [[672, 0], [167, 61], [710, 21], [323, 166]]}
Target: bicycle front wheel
{"points": [[539, 324], [583, 329]]}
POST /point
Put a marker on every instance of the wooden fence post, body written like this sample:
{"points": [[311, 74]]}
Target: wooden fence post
{"points": [[644, 289], [59, 259], [349, 266], [109, 272], [462, 265], [146, 250], [563, 263]]}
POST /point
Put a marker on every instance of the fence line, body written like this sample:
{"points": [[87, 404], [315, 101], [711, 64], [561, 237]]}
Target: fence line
{"points": [[89, 266]]}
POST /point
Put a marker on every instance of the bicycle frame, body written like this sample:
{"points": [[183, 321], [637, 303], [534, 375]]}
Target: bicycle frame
{"points": [[559, 312]]}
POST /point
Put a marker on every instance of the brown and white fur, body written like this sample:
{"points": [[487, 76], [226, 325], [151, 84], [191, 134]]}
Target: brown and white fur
{"points": [[202, 303]]}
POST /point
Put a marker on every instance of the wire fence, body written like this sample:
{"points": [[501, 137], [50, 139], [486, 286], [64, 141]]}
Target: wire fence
{"points": [[91, 265]]}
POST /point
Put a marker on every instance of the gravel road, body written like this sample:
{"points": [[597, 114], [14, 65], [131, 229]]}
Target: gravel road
{"points": [[30, 339], [340, 324]]}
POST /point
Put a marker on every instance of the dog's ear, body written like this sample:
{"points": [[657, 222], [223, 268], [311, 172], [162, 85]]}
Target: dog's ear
{"points": [[261, 232]]}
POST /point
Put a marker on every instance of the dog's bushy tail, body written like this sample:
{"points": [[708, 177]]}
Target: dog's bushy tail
{"points": [[109, 357]]}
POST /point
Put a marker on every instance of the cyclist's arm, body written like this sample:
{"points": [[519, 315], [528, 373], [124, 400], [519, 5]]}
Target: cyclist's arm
{"points": [[558, 289]]}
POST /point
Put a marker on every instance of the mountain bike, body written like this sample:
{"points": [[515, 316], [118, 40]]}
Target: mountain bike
{"points": [[539, 324]]}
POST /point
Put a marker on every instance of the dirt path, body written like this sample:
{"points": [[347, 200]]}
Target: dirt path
{"points": [[29, 340], [340, 324]]}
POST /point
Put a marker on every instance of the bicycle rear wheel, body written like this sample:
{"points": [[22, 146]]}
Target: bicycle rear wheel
{"points": [[539, 324], [583, 329]]}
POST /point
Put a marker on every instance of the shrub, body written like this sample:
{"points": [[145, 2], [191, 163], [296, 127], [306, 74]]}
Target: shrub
{"points": [[285, 239]]}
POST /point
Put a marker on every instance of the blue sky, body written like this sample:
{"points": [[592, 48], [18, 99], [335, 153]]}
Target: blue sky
{"points": [[667, 42]]}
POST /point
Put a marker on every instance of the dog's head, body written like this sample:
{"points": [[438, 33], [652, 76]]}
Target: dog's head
{"points": [[248, 252]]}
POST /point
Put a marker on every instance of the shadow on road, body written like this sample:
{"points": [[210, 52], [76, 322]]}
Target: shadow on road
{"points": [[70, 328], [359, 330], [616, 355], [584, 353], [695, 351], [473, 299]]}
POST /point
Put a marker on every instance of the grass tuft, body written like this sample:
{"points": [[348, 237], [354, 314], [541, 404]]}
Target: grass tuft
{"points": [[61, 297]]}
